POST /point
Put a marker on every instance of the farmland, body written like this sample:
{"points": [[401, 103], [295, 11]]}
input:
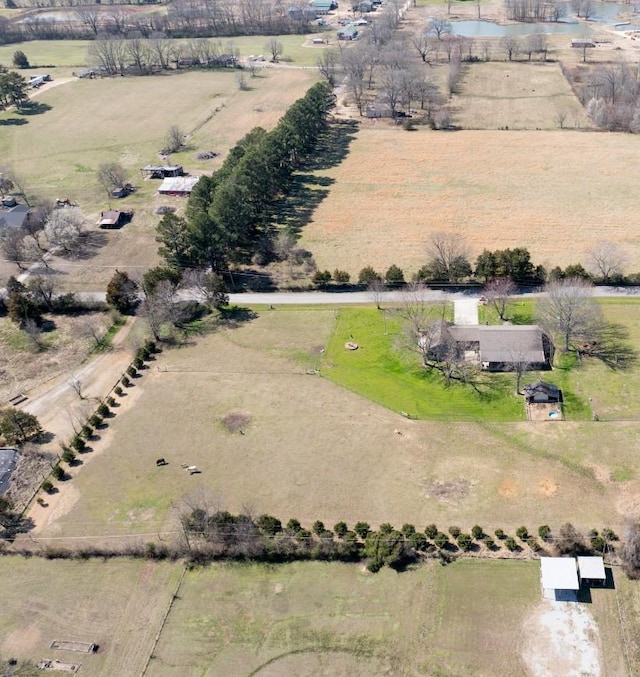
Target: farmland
{"points": [[469, 618], [327, 453], [395, 188], [207, 105]]}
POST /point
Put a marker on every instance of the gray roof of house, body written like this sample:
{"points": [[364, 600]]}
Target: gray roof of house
{"points": [[542, 387], [14, 217], [503, 343]]}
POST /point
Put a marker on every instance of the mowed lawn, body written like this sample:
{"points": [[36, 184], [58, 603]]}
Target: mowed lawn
{"points": [[314, 618], [116, 604], [544, 190], [516, 95], [126, 120], [316, 450]]}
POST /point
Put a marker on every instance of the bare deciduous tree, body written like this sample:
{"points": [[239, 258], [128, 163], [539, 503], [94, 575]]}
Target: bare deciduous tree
{"points": [[34, 331], [328, 63], [111, 176], [567, 310], [498, 292], [174, 140], [448, 257], [511, 45], [43, 289], [275, 48], [606, 260]]}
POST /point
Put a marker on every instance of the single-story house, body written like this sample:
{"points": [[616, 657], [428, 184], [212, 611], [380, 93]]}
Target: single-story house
{"points": [[542, 392], [180, 186], [14, 217], [364, 7], [493, 347], [161, 171], [582, 43], [348, 32], [321, 7], [296, 13], [559, 578], [114, 219], [592, 570], [378, 110]]}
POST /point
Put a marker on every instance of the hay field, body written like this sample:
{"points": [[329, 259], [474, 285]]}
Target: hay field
{"points": [[516, 95], [553, 192], [117, 604], [314, 450], [126, 120]]}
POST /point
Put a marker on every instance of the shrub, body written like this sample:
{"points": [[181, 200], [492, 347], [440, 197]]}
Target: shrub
{"points": [[103, 410], [455, 531], [318, 528], [340, 529], [86, 431], [598, 543], [118, 391], [95, 420], [407, 530], [499, 533], [522, 533], [394, 275], [368, 275], [534, 545], [362, 529], [441, 539], [47, 486], [294, 525], [125, 381], [431, 530], [67, 455], [269, 525], [151, 346], [417, 541], [609, 534], [489, 542], [477, 532], [111, 401], [544, 531], [20, 59], [131, 371], [58, 472], [341, 276], [321, 278], [510, 543], [464, 542], [138, 363], [78, 444]]}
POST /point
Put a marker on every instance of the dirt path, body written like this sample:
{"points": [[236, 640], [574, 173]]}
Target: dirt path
{"points": [[561, 639], [60, 410], [49, 85]]}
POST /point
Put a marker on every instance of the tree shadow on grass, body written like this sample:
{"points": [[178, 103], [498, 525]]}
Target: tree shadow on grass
{"points": [[235, 317], [611, 346], [89, 245], [34, 108], [333, 146]]}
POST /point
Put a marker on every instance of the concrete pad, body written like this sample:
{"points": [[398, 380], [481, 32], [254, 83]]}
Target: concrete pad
{"points": [[465, 311]]}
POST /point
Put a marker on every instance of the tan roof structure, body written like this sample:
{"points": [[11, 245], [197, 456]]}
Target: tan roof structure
{"points": [[592, 568]]}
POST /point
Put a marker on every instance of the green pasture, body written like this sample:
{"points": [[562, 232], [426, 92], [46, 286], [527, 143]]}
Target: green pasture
{"points": [[317, 618]]}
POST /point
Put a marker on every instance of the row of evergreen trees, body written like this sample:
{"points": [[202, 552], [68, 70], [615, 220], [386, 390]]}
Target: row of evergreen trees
{"points": [[227, 213]]}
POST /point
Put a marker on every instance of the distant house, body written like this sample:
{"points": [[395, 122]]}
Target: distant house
{"points": [[348, 32], [492, 347], [114, 219], [378, 110], [297, 13], [321, 7], [364, 7], [582, 43], [541, 392], [161, 171], [180, 186], [14, 218]]}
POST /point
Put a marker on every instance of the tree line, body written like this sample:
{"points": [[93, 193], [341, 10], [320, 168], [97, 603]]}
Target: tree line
{"points": [[227, 218]]}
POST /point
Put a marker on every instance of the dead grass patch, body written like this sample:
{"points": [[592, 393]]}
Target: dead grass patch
{"points": [[497, 189], [236, 421]]}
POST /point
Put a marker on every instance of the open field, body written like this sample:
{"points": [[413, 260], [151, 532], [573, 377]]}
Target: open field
{"points": [[470, 618], [118, 605], [497, 189], [314, 450], [516, 95], [207, 105]]}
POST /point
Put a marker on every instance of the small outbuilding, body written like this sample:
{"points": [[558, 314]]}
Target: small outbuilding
{"points": [[162, 171], [592, 570], [15, 217], [349, 32], [114, 218], [559, 578], [180, 186], [542, 392]]}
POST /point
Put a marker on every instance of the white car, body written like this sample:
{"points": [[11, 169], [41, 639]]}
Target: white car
{"points": [[360, 22]]}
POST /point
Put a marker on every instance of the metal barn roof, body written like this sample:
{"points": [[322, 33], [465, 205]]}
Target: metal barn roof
{"points": [[559, 573], [592, 567]]}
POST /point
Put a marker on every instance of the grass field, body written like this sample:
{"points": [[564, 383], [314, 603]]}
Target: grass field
{"points": [[516, 95], [207, 105], [118, 605], [315, 450], [313, 619], [497, 189], [470, 618]]}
